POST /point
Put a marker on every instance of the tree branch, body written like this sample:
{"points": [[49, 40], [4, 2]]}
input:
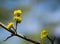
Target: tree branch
{"points": [[19, 35]]}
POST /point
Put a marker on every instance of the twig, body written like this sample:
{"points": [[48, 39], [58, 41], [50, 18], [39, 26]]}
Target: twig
{"points": [[19, 35], [9, 37]]}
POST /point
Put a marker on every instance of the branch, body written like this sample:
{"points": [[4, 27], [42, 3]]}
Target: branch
{"points": [[19, 35]]}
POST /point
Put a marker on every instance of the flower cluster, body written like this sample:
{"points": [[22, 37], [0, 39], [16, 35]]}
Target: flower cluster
{"points": [[43, 34], [17, 12], [17, 18], [10, 25]]}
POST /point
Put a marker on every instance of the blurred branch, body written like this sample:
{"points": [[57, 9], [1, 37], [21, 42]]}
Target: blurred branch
{"points": [[19, 35]]}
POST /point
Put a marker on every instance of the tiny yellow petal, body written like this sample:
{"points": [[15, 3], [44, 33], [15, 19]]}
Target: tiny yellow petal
{"points": [[10, 25], [43, 34], [17, 19], [17, 12]]}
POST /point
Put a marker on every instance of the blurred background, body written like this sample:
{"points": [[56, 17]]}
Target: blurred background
{"points": [[37, 15]]}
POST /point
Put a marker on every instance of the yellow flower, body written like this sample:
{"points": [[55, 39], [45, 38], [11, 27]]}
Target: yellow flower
{"points": [[17, 12], [17, 19], [44, 34], [10, 25]]}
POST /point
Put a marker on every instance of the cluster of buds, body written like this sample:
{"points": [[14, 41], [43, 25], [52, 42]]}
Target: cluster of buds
{"points": [[10, 25], [44, 34], [17, 18]]}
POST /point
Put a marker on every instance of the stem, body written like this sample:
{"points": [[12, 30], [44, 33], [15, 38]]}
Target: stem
{"points": [[49, 38], [52, 41], [16, 27]]}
